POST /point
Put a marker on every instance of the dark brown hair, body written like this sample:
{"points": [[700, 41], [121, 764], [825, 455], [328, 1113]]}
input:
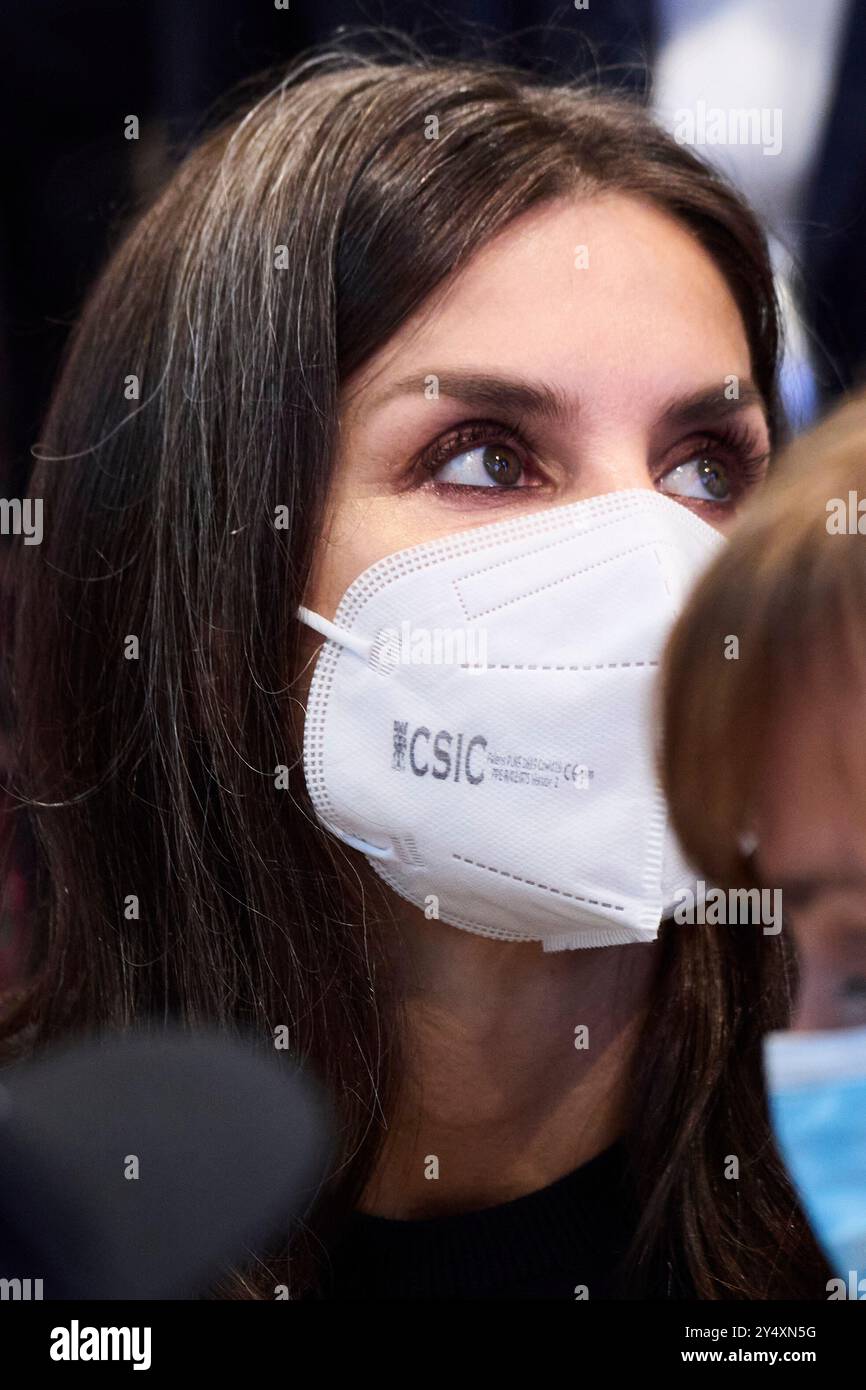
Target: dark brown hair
{"points": [[156, 776]]}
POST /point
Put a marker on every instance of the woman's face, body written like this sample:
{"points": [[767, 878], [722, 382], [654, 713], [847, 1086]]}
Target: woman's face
{"points": [[812, 846], [592, 346]]}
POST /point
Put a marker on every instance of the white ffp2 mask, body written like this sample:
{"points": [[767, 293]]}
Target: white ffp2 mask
{"points": [[480, 721]]}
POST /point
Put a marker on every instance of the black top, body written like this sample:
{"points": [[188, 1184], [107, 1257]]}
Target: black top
{"points": [[544, 1245]]}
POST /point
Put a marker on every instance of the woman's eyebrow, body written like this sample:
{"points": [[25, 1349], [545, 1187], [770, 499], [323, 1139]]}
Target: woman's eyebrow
{"points": [[800, 892], [711, 403], [483, 391], [518, 396]]}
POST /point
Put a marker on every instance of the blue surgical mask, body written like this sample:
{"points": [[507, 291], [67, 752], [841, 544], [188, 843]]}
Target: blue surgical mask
{"points": [[817, 1090]]}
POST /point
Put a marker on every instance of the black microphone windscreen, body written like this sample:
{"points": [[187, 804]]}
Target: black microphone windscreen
{"points": [[141, 1165]]}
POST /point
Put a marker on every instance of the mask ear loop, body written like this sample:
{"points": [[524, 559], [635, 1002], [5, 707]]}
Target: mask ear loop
{"points": [[362, 647], [371, 851]]}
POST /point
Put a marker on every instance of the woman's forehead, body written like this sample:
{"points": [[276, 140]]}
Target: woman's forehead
{"points": [[607, 292]]}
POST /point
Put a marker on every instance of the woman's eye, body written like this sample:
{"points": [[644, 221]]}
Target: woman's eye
{"points": [[852, 1008], [486, 465], [705, 479]]}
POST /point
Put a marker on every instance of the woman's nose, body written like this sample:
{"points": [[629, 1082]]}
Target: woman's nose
{"points": [[610, 466]]}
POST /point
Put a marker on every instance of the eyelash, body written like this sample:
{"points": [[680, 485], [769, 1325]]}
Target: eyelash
{"points": [[734, 439]]}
